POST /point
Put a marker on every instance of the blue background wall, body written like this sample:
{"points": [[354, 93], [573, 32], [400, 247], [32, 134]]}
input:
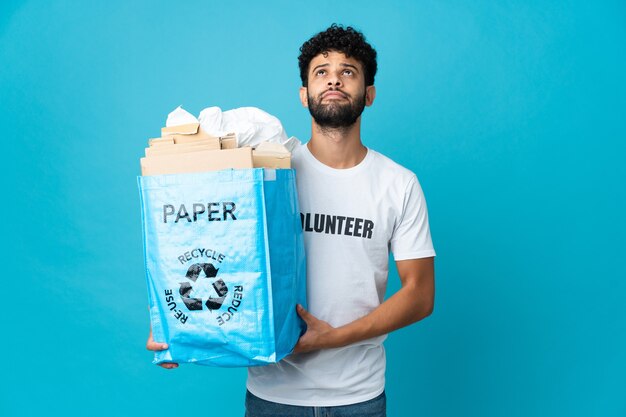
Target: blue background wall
{"points": [[511, 113]]}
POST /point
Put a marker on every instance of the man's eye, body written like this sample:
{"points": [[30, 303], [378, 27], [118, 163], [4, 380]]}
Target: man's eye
{"points": [[320, 72], [347, 72]]}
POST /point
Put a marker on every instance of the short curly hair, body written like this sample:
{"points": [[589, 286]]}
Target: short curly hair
{"points": [[348, 41]]}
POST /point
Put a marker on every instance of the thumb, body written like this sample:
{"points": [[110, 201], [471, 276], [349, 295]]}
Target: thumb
{"points": [[304, 315]]}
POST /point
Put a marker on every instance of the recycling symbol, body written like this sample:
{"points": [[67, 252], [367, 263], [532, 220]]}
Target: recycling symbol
{"points": [[193, 273]]}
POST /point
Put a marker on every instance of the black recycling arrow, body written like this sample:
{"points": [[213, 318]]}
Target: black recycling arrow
{"points": [[193, 273], [191, 303], [221, 289]]}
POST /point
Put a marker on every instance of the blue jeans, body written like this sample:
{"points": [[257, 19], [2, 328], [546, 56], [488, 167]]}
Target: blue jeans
{"points": [[256, 407]]}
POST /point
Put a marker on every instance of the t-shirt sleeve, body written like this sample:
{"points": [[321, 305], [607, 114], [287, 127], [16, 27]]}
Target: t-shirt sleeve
{"points": [[411, 235]]}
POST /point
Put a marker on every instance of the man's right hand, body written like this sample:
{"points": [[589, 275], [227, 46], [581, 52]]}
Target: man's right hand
{"points": [[155, 347]]}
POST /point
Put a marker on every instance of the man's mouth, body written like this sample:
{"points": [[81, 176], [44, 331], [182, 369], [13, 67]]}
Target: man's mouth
{"points": [[333, 95]]}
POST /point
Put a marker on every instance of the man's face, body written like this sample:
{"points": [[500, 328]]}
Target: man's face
{"points": [[336, 94]]}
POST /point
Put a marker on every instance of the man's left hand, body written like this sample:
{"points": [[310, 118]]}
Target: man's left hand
{"points": [[318, 335]]}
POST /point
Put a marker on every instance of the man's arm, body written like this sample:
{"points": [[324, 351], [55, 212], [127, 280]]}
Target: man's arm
{"points": [[411, 303]]}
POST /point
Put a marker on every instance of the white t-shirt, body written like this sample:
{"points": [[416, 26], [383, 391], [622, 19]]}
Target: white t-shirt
{"points": [[351, 218]]}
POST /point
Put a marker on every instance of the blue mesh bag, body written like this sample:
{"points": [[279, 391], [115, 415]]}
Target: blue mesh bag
{"points": [[225, 265]]}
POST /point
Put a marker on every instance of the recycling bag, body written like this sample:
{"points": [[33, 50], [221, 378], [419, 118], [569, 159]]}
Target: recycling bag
{"points": [[225, 265]]}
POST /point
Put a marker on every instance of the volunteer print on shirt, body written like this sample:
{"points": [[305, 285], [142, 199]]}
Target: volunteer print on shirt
{"points": [[335, 224]]}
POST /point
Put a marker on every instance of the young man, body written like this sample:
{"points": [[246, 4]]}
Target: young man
{"points": [[355, 205]]}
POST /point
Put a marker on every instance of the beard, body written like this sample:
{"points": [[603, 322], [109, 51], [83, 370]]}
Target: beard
{"points": [[334, 114]]}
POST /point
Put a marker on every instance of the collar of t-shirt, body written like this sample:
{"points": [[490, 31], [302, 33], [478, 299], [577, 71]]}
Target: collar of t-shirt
{"points": [[311, 160]]}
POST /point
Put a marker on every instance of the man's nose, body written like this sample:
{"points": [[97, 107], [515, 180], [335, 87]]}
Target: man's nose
{"points": [[334, 81]]}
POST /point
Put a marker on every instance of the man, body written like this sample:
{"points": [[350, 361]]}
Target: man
{"points": [[355, 205]]}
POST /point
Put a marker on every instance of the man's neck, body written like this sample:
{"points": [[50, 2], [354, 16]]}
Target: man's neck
{"points": [[337, 148]]}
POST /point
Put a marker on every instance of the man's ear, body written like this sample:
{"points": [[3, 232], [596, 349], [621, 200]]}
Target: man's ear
{"points": [[370, 94], [303, 97]]}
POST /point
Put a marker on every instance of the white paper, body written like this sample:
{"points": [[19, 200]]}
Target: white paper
{"points": [[251, 125], [179, 117], [292, 144]]}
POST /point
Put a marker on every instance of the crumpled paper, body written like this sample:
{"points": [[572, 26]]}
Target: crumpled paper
{"points": [[251, 125]]}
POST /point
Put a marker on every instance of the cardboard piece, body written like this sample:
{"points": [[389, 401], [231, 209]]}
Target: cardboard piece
{"points": [[166, 145], [228, 141], [186, 133], [161, 141], [271, 161], [188, 129], [201, 161], [201, 135], [271, 155], [175, 149]]}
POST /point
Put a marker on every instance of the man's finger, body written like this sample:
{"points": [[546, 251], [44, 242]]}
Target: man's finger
{"points": [[304, 315], [169, 365], [154, 346]]}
